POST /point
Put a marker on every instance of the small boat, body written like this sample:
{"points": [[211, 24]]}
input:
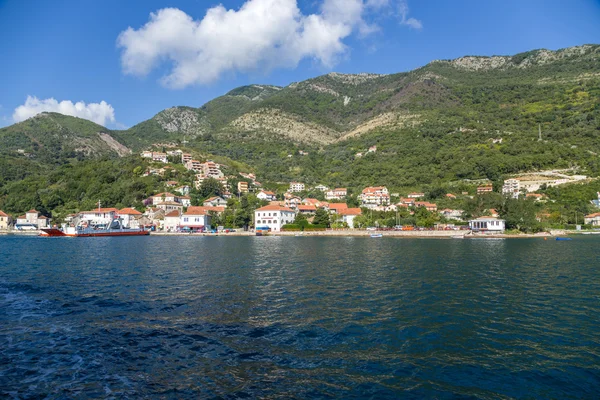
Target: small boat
{"points": [[563, 238], [458, 237], [299, 234], [376, 235]]}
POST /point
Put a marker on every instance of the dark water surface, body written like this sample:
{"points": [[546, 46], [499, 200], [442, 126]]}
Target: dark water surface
{"points": [[275, 317]]}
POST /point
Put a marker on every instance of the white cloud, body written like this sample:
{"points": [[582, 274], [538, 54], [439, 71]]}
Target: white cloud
{"points": [[100, 113], [262, 34], [404, 19]]}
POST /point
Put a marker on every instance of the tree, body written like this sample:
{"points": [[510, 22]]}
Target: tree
{"points": [[210, 187], [521, 215], [321, 218]]}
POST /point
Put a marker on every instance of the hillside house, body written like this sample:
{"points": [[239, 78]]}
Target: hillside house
{"points": [[336, 194], [428, 206], [321, 188], [455, 215], [297, 187], [266, 195], [415, 195], [215, 201], [336, 208], [374, 197], [242, 187], [512, 188], [485, 189], [307, 209]]}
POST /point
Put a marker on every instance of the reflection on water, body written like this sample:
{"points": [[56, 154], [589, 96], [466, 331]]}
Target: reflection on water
{"points": [[287, 317]]}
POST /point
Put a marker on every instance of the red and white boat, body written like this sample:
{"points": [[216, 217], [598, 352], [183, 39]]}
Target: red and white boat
{"points": [[115, 228]]}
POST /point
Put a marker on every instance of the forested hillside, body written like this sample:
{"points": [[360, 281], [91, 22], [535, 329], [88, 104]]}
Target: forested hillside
{"points": [[449, 121]]}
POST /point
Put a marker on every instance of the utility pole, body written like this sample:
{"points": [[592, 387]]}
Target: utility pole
{"points": [[539, 132]]}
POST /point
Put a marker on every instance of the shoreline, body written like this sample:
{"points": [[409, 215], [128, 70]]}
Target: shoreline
{"points": [[354, 233]]}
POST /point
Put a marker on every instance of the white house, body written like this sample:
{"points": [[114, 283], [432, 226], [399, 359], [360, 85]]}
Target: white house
{"points": [[5, 220], [185, 201], [348, 216], [162, 197], [171, 219], [487, 224], [215, 201], [130, 217], [195, 219], [592, 219], [266, 195], [415, 195], [273, 217], [336, 194], [297, 187], [321, 188]]}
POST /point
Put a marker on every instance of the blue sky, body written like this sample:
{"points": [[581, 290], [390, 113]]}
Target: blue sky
{"points": [[76, 51]]}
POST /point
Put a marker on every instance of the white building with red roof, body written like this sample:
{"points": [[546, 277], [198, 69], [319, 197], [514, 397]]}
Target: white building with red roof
{"points": [[374, 197], [335, 208], [348, 215], [267, 195], [171, 221], [195, 219], [130, 217], [5, 221], [273, 217]]}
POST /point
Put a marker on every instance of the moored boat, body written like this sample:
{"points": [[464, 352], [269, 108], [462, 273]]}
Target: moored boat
{"points": [[376, 235], [115, 228]]}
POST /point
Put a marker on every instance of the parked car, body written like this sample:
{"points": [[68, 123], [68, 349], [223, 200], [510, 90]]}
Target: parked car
{"points": [[371, 228]]}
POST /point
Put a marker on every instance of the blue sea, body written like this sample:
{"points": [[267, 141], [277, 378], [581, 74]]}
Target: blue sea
{"points": [[299, 318]]}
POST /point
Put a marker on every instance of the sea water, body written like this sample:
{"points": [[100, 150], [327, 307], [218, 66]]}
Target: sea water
{"points": [[298, 317]]}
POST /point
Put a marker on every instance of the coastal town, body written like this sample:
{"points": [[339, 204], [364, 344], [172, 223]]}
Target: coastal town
{"points": [[298, 208]]}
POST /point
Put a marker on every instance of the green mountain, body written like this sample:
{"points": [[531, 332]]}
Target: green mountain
{"points": [[451, 120]]}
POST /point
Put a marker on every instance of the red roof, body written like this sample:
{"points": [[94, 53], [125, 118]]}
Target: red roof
{"points": [[3, 214], [129, 211], [42, 217], [174, 213], [218, 209], [268, 193], [338, 206], [594, 215], [195, 210], [307, 207], [272, 207], [350, 211], [32, 211]]}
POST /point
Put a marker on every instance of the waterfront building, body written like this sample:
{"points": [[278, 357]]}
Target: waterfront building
{"points": [[348, 215], [5, 221], [592, 219], [130, 217], [171, 221], [487, 224], [195, 219], [273, 217]]}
